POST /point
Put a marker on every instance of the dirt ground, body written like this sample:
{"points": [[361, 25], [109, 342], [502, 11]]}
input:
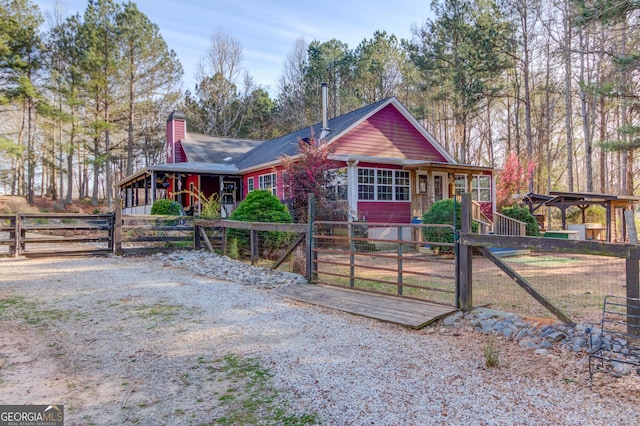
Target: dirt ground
{"points": [[575, 283], [135, 341]]}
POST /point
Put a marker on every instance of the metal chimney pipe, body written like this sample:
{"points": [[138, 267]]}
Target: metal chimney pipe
{"points": [[325, 107]]}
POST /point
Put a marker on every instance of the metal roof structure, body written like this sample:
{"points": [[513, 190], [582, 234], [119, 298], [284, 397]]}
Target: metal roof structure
{"points": [[583, 200]]}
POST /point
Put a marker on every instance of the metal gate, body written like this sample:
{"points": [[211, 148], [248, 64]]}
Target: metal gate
{"points": [[410, 260]]}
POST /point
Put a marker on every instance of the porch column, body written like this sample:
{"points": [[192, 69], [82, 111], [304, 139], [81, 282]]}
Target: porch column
{"points": [[352, 189], [430, 188], [153, 187], [451, 185], [493, 196], [470, 184]]}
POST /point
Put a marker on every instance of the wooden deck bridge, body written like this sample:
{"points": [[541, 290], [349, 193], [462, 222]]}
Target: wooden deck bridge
{"points": [[398, 310]]}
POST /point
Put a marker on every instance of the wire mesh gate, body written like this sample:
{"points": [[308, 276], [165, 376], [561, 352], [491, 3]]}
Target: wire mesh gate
{"points": [[409, 260]]}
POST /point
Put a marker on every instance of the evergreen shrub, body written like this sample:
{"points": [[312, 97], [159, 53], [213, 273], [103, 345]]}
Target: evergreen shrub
{"points": [[260, 206], [523, 215]]}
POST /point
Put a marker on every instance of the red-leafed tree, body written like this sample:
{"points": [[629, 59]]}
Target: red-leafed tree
{"points": [[514, 179], [310, 172]]}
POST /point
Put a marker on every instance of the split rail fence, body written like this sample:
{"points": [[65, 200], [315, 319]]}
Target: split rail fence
{"points": [[393, 259]]}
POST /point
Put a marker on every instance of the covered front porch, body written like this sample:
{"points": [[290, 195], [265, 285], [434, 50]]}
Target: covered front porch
{"points": [[181, 182], [433, 182]]}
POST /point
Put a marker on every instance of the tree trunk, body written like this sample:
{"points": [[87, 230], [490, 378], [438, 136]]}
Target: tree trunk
{"points": [[603, 152], [585, 113], [130, 118], [567, 93]]}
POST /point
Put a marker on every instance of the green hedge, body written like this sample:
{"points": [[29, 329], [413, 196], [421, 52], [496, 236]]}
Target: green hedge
{"points": [[523, 215], [166, 208], [260, 206], [442, 213]]}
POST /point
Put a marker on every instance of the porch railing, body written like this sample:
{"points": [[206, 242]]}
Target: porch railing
{"points": [[480, 217], [505, 225]]}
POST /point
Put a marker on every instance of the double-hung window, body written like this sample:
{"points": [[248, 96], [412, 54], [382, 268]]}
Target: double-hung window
{"points": [[366, 184], [338, 186], [268, 182], [461, 184], [481, 188], [383, 185]]}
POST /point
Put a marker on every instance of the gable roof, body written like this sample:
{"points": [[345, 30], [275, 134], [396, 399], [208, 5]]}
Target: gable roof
{"points": [[271, 151], [201, 148]]}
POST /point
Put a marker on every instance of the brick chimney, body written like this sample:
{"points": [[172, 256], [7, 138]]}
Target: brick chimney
{"points": [[176, 132]]}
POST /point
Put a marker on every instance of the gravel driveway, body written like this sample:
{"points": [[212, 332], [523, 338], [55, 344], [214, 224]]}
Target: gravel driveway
{"points": [[152, 340]]}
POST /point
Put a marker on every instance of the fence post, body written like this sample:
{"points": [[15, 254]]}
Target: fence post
{"points": [[311, 207], [254, 245], [116, 229], [633, 291], [21, 235], [400, 260], [352, 256], [464, 283], [15, 234], [224, 241], [196, 236]]}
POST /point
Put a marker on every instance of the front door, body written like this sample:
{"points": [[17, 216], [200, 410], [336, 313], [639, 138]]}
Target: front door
{"points": [[228, 198], [440, 187]]}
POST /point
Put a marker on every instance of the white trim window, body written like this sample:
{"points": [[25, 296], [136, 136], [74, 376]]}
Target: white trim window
{"points": [[460, 184], [383, 185], [250, 184], [338, 186], [481, 188], [268, 182]]}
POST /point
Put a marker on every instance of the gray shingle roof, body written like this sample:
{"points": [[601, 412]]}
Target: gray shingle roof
{"points": [[195, 167], [216, 149], [288, 144]]}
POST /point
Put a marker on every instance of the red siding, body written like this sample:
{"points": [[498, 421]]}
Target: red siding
{"points": [[176, 131], [388, 134], [487, 208], [181, 157], [189, 180], [209, 185], [384, 212], [256, 181], [364, 165]]}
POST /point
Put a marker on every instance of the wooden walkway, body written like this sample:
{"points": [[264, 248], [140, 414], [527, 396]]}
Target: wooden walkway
{"points": [[408, 312]]}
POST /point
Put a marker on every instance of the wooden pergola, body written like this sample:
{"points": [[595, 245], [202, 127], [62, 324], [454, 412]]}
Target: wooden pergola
{"points": [[583, 200]]}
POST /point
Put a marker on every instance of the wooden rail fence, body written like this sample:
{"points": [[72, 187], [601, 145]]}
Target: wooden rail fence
{"points": [[468, 242], [53, 233]]}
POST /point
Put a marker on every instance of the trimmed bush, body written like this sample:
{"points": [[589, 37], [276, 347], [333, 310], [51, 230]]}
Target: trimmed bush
{"points": [[523, 215], [441, 213], [166, 208], [260, 206]]}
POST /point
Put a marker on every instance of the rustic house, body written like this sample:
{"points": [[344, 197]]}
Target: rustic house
{"points": [[390, 168]]}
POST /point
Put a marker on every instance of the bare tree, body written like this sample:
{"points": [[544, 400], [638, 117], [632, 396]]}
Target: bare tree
{"points": [[291, 96], [223, 87]]}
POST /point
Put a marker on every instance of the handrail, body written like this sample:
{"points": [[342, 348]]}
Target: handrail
{"points": [[505, 225], [479, 216], [483, 227]]}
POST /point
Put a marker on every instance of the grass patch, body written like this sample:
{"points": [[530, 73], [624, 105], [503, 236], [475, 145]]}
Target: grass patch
{"points": [[159, 311], [541, 261], [251, 399], [30, 312], [491, 353]]}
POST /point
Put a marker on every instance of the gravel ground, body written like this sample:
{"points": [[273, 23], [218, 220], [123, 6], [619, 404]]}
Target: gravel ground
{"points": [[139, 341]]}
